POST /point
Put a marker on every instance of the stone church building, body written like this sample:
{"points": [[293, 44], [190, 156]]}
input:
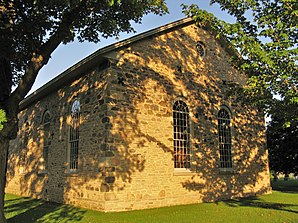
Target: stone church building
{"points": [[151, 121]]}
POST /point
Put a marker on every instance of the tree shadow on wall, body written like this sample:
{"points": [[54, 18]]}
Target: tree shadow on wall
{"points": [[31, 210], [25, 154], [164, 69]]}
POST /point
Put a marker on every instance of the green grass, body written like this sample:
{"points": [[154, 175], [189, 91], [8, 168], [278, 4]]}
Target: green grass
{"points": [[280, 206]]}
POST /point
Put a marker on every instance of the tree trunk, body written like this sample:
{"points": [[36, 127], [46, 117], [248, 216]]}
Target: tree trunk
{"points": [[9, 128], [4, 143], [5, 79], [8, 133]]}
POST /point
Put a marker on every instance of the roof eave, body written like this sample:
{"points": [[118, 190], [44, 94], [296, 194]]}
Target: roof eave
{"points": [[97, 57]]}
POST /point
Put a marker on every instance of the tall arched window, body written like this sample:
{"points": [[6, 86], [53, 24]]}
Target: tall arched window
{"points": [[181, 135], [225, 138], [46, 122], [74, 136]]}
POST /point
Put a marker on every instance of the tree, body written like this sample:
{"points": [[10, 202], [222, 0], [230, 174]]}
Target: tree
{"points": [[265, 36], [282, 143], [31, 30]]}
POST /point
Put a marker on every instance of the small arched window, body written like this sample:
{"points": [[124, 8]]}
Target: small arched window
{"points": [[181, 126], [225, 138], [73, 153], [201, 49], [46, 118]]}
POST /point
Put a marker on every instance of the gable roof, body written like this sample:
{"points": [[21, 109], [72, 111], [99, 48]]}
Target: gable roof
{"points": [[97, 57]]}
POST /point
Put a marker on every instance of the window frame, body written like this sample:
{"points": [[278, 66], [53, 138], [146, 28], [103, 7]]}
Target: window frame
{"points": [[225, 139], [44, 159], [201, 49], [186, 145], [74, 137]]}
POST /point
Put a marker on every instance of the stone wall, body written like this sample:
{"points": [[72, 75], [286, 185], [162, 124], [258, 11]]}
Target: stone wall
{"points": [[126, 131], [57, 183], [154, 74]]}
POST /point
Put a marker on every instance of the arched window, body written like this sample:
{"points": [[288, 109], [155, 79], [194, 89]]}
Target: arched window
{"points": [[46, 118], [201, 49], [181, 135], [225, 138], [46, 122], [74, 136]]}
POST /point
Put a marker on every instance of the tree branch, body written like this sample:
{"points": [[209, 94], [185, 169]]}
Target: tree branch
{"points": [[41, 56]]}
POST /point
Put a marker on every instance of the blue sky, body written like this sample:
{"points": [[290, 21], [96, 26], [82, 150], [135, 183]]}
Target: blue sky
{"points": [[67, 55]]}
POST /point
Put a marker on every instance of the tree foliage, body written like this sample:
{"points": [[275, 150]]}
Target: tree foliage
{"points": [[283, 146], [27, 26], [265, 35]]}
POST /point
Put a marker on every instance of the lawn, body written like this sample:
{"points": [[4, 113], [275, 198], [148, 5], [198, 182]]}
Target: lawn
{"points": [[280, 206]]}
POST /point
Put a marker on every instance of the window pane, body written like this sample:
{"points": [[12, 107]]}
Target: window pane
{"points": [[181, 135], [224, 137], [74, 135]]}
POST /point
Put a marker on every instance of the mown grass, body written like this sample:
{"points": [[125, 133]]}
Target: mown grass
{"points": [[281, 206]]}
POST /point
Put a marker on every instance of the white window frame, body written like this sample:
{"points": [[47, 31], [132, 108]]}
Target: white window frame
{"points": [[182, 136], [44, 160], [74, 137], [224, 126]]}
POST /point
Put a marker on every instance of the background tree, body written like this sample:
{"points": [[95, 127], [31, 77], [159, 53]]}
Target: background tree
{"points": [[265, 35], [2, 118], [31, 30], [283, 146]]}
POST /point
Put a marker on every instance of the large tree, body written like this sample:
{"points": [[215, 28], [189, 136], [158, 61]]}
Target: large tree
{"points": [[31, 30], [265, 35]]}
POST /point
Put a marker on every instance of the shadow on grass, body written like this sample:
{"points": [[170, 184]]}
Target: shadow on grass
{"points": [[282, 186], [31, 210], [290, 186], [256, 202]]}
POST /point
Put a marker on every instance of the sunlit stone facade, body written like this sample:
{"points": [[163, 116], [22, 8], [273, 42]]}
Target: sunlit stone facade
{"points": [[126, 150]]}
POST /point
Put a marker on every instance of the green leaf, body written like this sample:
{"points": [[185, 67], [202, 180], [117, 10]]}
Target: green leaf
{"points": [[2, 118]]}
